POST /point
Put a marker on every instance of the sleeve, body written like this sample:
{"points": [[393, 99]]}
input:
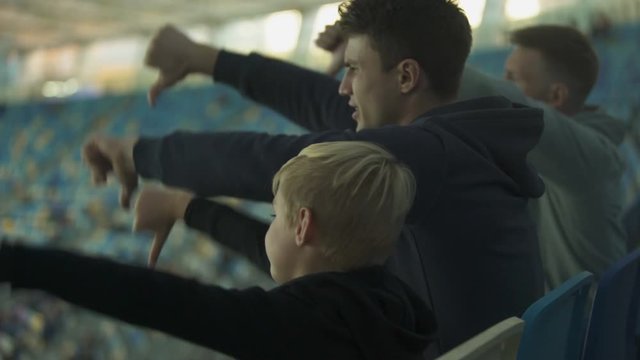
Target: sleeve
{"points": [[230, 228], [308, 98], [239, 164], [566, 148], [242, 164], [247, 324]]}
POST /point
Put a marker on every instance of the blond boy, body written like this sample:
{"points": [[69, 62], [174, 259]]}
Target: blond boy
{"points": [[339, 207]]}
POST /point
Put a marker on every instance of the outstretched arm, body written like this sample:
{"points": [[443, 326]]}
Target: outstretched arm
{"points": [[241, 323], [306, 97], [564, 141], [238, 164], [230, 228], [157, 209], [242, 164]]}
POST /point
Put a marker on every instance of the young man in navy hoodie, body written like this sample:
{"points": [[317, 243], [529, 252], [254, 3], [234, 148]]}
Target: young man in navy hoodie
{"points": [[556, 67], [338, 211], [469, 247]]}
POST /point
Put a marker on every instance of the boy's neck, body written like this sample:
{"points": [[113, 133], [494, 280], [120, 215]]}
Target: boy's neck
{"points": [[317, 263], [317, 267], [312, 261]]}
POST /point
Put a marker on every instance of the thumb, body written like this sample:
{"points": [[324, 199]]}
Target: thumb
{"points": [[128, 180], [156, 247], [125, 196], [155, 90], [165, 80]]}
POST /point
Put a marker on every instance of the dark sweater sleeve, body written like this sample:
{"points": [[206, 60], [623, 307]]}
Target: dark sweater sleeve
{"points": [[239, 164], [242, 164], [247, 324], [230, 228], [308, 98]]}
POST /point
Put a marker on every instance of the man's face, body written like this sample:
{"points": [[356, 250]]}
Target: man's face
{"points": [[280, 243], [372, 92], [527, 69]]}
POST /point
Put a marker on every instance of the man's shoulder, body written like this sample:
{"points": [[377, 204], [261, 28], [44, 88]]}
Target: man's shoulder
{"points": [[598, 120]]}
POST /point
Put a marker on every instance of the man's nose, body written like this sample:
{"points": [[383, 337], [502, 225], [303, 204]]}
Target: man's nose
{"points": [[345, 86]]}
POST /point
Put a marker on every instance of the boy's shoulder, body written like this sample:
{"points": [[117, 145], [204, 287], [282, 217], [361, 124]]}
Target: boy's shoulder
{"points": [[370, 304], [373, 290]]}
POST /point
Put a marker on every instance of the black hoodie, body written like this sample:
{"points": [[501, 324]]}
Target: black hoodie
{"points": [[469, 248], [365, 314]]}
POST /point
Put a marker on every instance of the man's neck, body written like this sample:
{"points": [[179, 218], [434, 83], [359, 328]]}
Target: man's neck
{"points": [[419, 105]]}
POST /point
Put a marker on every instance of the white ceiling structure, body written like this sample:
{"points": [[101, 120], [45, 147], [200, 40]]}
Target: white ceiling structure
{"points": [[30, 24], [107, 37], [35, 24]]}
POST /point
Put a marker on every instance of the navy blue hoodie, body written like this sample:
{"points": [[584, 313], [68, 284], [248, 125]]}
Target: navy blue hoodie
{"points": [[469, 247]]}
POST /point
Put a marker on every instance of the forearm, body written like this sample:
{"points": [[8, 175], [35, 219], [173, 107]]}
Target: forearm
{"points": [[564, 142], [238, 164], [207, 315], [308, 98], [232, 229]]}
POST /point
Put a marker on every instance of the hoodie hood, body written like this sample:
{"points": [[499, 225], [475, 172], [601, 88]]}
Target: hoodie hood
{"points": [[596, 119], [498, 130], [377, 311]]}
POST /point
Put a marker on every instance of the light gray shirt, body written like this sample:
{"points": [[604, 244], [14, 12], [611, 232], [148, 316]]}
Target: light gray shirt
{"points": [[579, 216]]}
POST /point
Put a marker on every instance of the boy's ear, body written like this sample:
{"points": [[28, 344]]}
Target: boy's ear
{"points": [[305, 227]]}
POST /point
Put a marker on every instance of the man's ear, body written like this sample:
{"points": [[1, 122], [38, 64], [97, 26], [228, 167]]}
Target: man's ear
{"points": [[559, 95], [305, 227], [410, 75]]}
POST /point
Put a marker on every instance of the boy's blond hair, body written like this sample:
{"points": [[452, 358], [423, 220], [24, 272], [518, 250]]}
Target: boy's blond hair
{"points": [[359, 196]]}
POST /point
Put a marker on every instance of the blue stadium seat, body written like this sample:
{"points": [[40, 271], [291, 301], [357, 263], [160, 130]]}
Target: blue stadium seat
{"points": [[555, 324], [613, 325]]}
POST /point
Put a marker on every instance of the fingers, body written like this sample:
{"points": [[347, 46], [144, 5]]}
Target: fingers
{"points": [[125, 197], [168, 53], [326, 41], [156, 247], [330, 38], [156, 89], [150, 216], [128, 182], [153, 94], [104, 155], [166, 79], [97, 161], [154, 54]]}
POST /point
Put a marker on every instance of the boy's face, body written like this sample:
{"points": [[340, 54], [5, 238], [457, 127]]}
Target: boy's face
{"points": [[280, 243], [372, 91]]}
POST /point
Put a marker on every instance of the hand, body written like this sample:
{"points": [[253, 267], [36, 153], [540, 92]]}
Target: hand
{"points": [[175, 56], [104, 154], [157, 210], [333, 40]]}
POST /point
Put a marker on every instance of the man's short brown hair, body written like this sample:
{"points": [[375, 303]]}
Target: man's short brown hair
{"points": [[435, 33], [568, 54]]}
